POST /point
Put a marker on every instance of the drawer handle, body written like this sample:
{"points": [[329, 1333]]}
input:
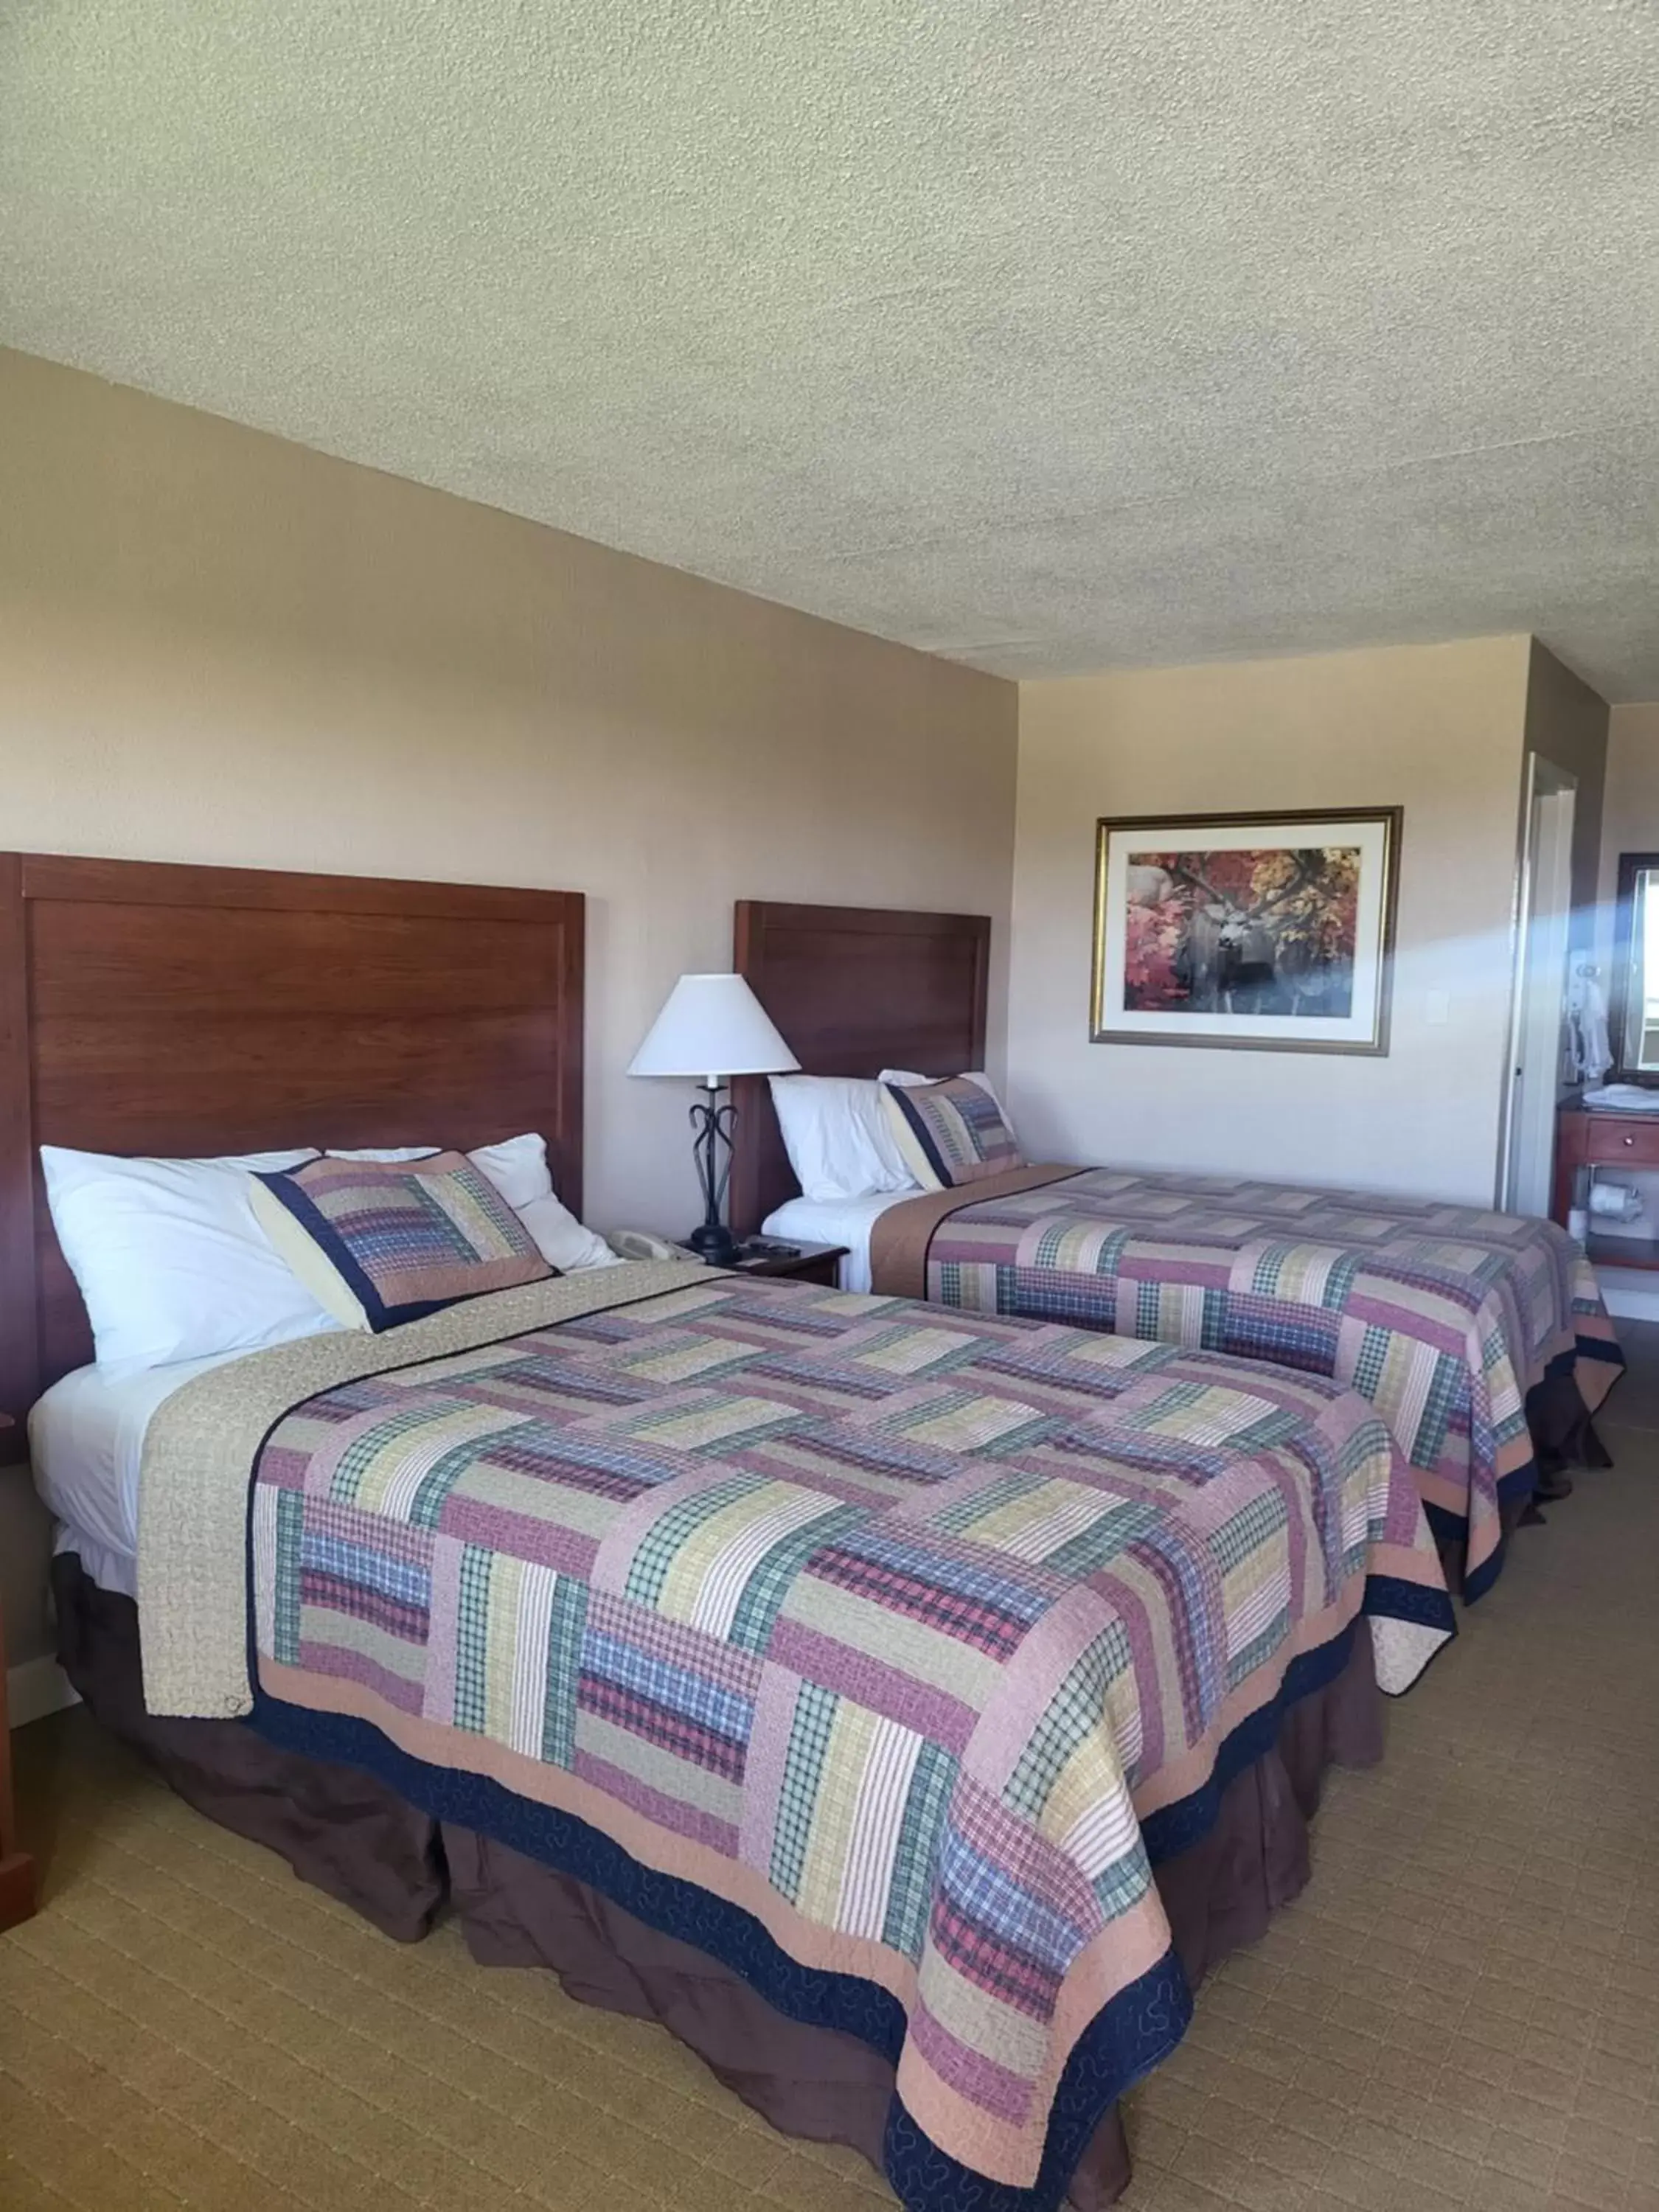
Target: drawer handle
{"points": [[1629, 1139]]}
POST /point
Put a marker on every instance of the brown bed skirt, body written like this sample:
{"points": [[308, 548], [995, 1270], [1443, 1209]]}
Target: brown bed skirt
{"points": [[1563, 1435], [1563, 1428], [354, 1837]]}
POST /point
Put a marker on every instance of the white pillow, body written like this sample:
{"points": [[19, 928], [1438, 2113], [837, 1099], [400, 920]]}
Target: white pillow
{"points": [[836, 1134], [563, 1241], [170, 1259], [387, 1155], [518, 1168]]}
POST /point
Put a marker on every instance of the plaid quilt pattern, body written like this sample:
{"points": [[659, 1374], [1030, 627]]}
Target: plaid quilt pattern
{"points": [[407, 1237], [1442, 1316], [887, 1625], [950, 1132]]}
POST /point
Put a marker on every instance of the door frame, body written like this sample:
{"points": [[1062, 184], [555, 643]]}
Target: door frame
{"points": [[1543, 778]]}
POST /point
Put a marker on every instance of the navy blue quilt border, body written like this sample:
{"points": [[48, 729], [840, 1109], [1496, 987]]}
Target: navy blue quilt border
{"points": [[1125, 2040], [1449, 1527], [1604, 1348], [1131, 2035]]}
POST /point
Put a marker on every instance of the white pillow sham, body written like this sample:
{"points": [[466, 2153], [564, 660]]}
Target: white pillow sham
{"points": [[170, 1261], [836, 1133], [518, 1168]]}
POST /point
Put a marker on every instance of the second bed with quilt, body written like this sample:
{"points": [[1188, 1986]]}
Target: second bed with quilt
{"points": [[1449, 1319], [1481, 1338]]}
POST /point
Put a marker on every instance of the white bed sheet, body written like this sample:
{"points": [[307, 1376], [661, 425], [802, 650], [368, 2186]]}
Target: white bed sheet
{"points": [[86, 1443], [845, 1221], [86, 1432]]}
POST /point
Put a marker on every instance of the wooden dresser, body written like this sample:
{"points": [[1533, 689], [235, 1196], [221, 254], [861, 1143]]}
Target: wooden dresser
{"points": [[1585, 1140]]}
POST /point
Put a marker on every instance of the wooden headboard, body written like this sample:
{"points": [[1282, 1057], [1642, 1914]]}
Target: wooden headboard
{"points": [[853, 989], [146, 1008]]}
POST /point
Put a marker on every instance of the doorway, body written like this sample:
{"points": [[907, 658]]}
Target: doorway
{"points": [[1538, 1070]]}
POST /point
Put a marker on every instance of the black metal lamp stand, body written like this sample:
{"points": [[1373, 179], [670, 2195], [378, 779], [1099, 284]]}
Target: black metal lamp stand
{"points": [[711, 1144]]}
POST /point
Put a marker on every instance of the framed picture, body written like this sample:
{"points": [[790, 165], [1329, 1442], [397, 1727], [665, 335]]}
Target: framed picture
{"points": [[1273, 931]]}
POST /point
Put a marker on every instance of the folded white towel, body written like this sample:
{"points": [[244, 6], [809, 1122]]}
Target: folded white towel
{"points": [[1622, 1099]]}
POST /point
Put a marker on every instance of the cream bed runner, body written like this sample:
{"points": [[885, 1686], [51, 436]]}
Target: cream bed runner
{"points": [[202, 1441]]}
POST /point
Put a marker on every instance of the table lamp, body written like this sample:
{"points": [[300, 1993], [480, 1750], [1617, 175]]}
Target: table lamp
{"points": [[713, 1027]]}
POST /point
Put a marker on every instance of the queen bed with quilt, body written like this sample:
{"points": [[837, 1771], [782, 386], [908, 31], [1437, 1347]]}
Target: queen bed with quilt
{"points": [[1481, 1338], [902, 1705]]}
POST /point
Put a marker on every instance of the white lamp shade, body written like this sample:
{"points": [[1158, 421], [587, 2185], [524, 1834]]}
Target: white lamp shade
{"points": [[711, 1026]]}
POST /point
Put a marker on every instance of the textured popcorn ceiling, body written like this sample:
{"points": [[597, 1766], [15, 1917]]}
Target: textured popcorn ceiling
{"points": [[1045, 337]]}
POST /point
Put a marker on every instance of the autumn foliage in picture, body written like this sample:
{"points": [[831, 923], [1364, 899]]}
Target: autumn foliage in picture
{"points": [[1242, 932]]}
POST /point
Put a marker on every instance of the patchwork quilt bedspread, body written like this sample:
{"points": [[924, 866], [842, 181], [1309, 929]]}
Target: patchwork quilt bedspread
{"points": [[1443, 1316], [875, 1648]]}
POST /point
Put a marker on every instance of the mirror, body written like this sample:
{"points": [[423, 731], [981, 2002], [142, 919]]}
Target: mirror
{"points": [[1636, 967]]}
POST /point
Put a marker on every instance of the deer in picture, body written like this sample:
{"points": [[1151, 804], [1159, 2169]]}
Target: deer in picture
{"points": [[1234, 958]]}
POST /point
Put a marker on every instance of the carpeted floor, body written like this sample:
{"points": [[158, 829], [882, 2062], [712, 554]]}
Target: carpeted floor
{"points": [[1462, 2009]]}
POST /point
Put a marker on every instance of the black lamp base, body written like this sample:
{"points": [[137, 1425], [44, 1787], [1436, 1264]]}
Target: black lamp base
{"points": [[712, 1241], [711, 1123]]}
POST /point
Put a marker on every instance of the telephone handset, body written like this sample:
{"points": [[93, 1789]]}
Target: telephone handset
{"points": [[640, 1244]]}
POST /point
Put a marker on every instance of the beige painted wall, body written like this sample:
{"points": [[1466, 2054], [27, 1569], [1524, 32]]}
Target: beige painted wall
{"points": [[1567, 723], [1630, 822], [218, 647], [1435, 729]]}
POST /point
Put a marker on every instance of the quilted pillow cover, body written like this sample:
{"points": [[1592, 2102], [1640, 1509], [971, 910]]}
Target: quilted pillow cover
{"points": [[380, 1242], [951, 1132]]}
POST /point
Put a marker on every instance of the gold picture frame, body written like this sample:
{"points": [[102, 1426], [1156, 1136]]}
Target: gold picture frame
{"points": [[1268, 932]]}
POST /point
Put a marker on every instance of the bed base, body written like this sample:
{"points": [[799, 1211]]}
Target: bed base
{"points": [[354, 1838]]}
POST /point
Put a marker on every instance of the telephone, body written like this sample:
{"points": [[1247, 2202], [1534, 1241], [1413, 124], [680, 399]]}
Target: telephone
{"points": [[640, 1244]]}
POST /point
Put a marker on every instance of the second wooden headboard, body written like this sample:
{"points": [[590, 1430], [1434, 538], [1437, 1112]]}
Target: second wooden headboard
{"points": [[184, 1012], [853, 989]]}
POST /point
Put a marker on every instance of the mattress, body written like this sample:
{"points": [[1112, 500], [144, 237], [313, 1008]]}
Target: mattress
{"points": [[87, 1444], [845, 1221]]}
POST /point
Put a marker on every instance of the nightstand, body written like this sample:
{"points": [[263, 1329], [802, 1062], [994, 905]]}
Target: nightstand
{"points": [[811, 1263], [16, 1868]]}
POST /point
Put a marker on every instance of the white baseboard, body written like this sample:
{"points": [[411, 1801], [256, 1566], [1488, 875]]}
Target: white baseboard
{"points": [[35, 1688]]}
